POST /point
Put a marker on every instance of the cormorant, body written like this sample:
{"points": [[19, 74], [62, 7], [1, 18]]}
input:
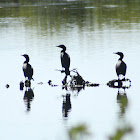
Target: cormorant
{"points": [[120, 66], [65, 59], [27, 68]]}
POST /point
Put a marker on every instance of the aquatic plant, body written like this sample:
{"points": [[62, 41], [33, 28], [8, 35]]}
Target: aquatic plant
{"points": [[121, 132], [78, 132]]}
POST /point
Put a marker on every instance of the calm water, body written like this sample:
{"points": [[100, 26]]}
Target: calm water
{"points": [[92, 31]]}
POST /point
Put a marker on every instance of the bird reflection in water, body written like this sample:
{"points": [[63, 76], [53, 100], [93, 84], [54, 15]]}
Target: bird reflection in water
{"points": [[66, 106], [122, 101], [28, 97]]}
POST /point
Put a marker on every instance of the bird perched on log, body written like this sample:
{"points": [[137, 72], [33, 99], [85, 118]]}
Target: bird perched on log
{"points": [[120, 67], [65, 59], [27, 68]]}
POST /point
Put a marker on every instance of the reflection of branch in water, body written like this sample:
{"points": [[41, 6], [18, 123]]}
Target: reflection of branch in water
{"points": [[66, 107], [122, 102], [28, 97]]}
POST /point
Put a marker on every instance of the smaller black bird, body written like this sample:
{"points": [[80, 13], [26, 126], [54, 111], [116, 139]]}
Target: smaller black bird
{"points": [[65, 59], [120, 66], [27, 68]]}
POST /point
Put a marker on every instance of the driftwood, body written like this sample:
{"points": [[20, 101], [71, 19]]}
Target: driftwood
{"points": [[76, 82], [119, 83]]}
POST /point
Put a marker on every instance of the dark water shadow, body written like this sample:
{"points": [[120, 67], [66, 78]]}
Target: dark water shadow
{"points": [[28, 98]]}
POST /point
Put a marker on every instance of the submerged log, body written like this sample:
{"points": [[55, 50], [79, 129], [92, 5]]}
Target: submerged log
{"points": [[77, 80], [119, 83]]}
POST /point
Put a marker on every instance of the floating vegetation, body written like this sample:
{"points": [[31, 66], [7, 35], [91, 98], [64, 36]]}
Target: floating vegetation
{"points": [[120, 132], [81, 131], [78, 132]]}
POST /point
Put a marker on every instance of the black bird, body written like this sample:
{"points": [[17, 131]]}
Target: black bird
{"points": [[120, 66], [27, 68], [65, 59]]}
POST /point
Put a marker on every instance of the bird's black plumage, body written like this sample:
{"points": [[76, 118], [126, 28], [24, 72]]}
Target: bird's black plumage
{"points": [[65, 59], [27, 68], [120, 66]]}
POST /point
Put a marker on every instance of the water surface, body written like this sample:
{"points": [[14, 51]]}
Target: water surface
{"points": [[91, 31]]}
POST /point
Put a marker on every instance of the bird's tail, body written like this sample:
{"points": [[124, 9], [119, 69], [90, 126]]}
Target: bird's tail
{"points": [[32, 78]]}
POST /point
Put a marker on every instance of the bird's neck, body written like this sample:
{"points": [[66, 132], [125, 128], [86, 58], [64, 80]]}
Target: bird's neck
{"points": [[120, 58], [63, 51], [27, 61]]}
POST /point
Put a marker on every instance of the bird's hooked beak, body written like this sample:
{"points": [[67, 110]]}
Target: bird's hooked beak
{"points": [[62, 47], [25, 55], [114, 53]]}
